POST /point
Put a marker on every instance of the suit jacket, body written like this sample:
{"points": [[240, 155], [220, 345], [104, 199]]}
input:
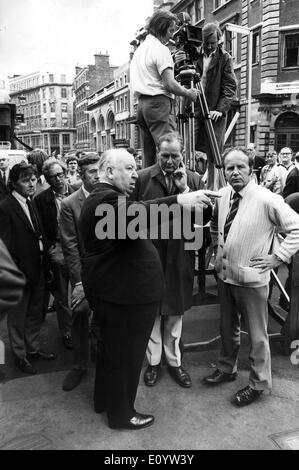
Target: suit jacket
{"points": [[71, 240], [119, 270], [12, 281], [178, 263], [4, 191], [45, 203], [221, 83], [292, 183], [20, 239]]}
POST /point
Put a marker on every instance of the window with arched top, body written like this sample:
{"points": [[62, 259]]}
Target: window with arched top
{"points": [[287, 131], [101, 123]]}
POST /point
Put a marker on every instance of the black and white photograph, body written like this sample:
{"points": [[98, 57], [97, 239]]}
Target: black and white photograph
{"points": [[149, 227]]}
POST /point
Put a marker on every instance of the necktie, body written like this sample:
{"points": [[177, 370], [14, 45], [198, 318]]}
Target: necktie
{"points": [[3, 176], [231, 215], [33, 218], [168, 180]]}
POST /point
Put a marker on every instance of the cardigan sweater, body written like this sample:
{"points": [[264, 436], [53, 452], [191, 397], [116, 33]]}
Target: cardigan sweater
{"points": [[260, 213]]}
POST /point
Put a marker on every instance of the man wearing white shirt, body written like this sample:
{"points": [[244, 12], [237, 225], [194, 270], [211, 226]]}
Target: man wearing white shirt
{"points": [[242, 227], [72, 247], [153, 82], [22, 232]]}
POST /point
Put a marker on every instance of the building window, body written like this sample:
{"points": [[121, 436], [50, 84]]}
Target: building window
{"points": [[63, 93], [45, 123], [51, 78], [121, 105], [64, 122], [199, 10], [126, 103], [231, 44], [116, 83], [54, 139], [117, 105], [52, 107], [120, 82], [66, 139], [291, 50], [44, 93], [51, 93], [64, 107], [53, 122], [256, 48], [219, 3], [125, 78], [63, 78], [44, 108]]}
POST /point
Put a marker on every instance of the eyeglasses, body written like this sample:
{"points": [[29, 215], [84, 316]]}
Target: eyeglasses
{"points": [[286, 153], [57, 175]]}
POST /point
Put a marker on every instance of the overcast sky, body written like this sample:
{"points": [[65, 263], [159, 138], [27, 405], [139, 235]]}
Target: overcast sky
{"points": [[38, 33]]}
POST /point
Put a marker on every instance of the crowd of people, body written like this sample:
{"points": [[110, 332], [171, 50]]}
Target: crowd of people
{"points": [[58, 241]]}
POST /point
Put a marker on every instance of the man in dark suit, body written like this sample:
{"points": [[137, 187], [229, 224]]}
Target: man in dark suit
{"points": [[22, 232], [48, 203], [72, 247], [123, 281], [4, 175], [258, 162], [168, 177], [292, 181]]}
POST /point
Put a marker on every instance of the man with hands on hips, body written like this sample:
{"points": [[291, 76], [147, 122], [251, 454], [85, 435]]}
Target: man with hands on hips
{"points": [[242, 227]]}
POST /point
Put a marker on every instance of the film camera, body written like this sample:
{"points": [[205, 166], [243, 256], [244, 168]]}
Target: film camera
{"points": [[187, 38]]}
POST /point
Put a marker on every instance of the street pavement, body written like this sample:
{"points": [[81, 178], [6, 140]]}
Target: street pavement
{"points": [[35, 413]]}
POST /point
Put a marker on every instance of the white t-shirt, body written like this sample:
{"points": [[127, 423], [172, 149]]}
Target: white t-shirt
{"points": [[149, 62]]}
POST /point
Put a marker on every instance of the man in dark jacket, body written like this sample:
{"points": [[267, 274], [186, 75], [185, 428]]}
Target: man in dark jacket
{"points": [[292, 181], [4, 175], [22, 232], [123, 281], [48, 203], [169, 177]]}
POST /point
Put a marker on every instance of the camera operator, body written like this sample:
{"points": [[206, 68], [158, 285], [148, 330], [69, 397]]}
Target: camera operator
{"points": [[219, 82], [153, 82]]}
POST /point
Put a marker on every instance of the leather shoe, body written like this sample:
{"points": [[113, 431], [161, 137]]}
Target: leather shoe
{"points": [[138, 421], [218, 377], [25, 366], [41, 355], [180, 375], [67, 341], [246, 396], [151, 375], [73, 378]]}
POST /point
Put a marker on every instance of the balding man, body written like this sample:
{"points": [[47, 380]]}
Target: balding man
{"points": [[123, 281], [242, 227]]}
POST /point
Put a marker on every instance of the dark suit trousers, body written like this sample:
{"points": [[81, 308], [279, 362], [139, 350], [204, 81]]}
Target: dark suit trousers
{"points": [[155, 116], [125, 331], [25, 319], [80, 337]]}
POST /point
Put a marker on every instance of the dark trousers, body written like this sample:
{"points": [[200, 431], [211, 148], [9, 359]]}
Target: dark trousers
{"points": [[156, 117], [202, 143], [125, 332], [80, 335], [25, 319]]}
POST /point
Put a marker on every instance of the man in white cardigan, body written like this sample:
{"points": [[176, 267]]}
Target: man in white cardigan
{"points": [[242, 226]]}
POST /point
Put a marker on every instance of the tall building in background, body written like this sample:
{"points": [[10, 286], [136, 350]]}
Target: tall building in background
{"points": [[87, 81], [45, 101]]}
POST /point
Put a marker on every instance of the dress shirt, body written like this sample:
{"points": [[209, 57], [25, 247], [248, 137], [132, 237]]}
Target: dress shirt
{"points": [[86, 193], [22, 201], [206, 64]]}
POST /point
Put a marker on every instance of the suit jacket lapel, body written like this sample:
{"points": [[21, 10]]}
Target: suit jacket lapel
{"points": [[157, 173], [19, 211]]}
